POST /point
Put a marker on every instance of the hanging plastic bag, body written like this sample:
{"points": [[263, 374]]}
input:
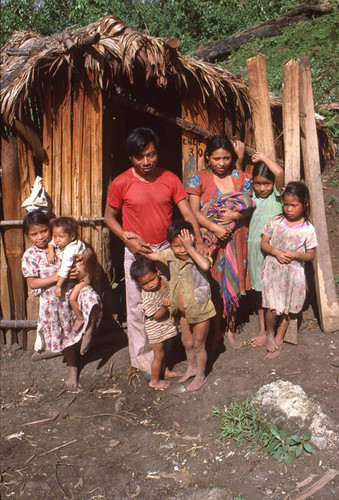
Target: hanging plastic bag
{"points": [[39, 199]]}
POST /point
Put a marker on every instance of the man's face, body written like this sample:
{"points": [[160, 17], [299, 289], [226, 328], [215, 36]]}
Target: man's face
{"points": [[146, 162]]}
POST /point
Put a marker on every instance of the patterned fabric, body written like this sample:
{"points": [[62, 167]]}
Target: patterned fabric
{"points": [[227, 269], [56, 316], [157, 330], [284, 285], [230, 256], [265, 208]]}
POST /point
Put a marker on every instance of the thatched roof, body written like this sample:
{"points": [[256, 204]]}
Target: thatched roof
{"points": [[122, 57]]}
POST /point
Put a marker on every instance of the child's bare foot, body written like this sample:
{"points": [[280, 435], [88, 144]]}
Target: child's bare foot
{"points": [[196, 383], [271, 344], [190, 372], [172, 374], [78, 324], [86, 341], [274, 354], [159, 384], [72, 379], [259, 340], [233, 343]]}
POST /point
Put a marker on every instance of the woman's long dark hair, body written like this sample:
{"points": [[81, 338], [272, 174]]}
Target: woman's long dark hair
{"points": [[219, 142]]}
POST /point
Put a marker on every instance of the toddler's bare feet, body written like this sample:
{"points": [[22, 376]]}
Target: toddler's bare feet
{"points": [[259, 340], [72, 379], [190, 372], [271, 344], [171, 374], [78, 324], [86, 341], [274, 354], [196, 383], [233, 343], [159, 384]]}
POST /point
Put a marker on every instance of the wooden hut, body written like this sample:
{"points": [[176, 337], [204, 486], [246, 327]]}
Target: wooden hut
{"points": [[68, 102]]}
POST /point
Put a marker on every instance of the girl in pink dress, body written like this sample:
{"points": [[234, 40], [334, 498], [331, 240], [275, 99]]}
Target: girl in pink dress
{"points": [[56, 317], [288, 240]]}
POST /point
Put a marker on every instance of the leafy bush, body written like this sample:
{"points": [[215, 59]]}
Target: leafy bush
{"points": [[242, 422]]}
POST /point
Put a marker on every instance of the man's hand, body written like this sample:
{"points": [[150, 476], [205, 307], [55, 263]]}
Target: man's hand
{"points": [[221, 231]]}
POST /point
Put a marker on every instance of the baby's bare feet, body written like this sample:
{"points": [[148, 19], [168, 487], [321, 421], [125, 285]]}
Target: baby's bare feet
{"points": [[172, 374], [159, 384], [274, 354], [78, 324], [72, 379], [190, 372], [233, 343], [196, 383], [259, 340], [271, 344]]}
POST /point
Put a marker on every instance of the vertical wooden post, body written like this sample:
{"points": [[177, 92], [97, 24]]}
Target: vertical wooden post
{"points": [[291, 127], [6, 292], [261, 106], [47, 136], [57, 97], [86, 163], [13, 236], [66, 152], [77, 138], [326, 293]]}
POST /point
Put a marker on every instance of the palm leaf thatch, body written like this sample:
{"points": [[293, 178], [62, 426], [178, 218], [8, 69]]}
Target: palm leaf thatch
{"points": [[122, 60]]}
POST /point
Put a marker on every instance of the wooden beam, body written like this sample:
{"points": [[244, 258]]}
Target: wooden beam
{"points": [[6, 291], [291, 127], [261, 106], [13, 238], [326, 292]]}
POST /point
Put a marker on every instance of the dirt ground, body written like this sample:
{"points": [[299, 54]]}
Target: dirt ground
{"points": [[115, 438]]}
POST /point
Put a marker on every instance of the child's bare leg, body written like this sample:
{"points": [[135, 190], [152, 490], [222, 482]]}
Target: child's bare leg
{"points": [[281, 330], [169, 373], [218, 335], [271, 318], [260, 339], [88, 335], [157, 364], [71, 360], [187, 340], [233, 343], [200, 331], [73, 302]]}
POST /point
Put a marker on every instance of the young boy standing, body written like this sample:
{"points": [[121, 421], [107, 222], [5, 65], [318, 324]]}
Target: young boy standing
{"points": [[190, 296]]}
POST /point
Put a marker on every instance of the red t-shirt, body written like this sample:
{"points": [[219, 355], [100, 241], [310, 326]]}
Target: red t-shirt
{"points": [[146, 207]]}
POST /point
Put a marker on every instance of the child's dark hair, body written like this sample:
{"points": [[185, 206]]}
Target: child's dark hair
{"points": [[300, 191], [261, 170], [219, 142], [35, 218], [142, 266], [176, 227], [68, 224], [139, 139]]}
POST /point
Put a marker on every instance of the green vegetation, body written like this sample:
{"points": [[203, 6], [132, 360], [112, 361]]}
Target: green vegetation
{"points": [[243, 422], [315, 38]]}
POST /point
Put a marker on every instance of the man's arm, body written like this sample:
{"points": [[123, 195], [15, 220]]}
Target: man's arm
{"points": [[111, 220], [190, 216]]}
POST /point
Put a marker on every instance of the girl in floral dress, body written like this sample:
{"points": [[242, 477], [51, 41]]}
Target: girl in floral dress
{"points": [[56, 317], [288, 240], [221, 177]]}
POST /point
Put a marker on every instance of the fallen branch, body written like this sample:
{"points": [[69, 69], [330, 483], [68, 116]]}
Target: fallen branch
{"points": [[57, 448], [221, 49]]}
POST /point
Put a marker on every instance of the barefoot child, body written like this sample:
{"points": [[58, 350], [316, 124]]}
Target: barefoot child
{"points": [[268, 181], [190, 296], [159, 328], [66, 245], [55, 316], [288, 240]]}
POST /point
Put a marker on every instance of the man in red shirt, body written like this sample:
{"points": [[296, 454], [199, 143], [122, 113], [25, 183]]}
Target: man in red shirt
{"points": [[145, 194]]}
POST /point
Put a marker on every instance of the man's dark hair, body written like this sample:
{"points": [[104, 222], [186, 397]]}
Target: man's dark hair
{"points": [[35, 218], [139, 139], [176, 227], [68, 224], [142, 266]]}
